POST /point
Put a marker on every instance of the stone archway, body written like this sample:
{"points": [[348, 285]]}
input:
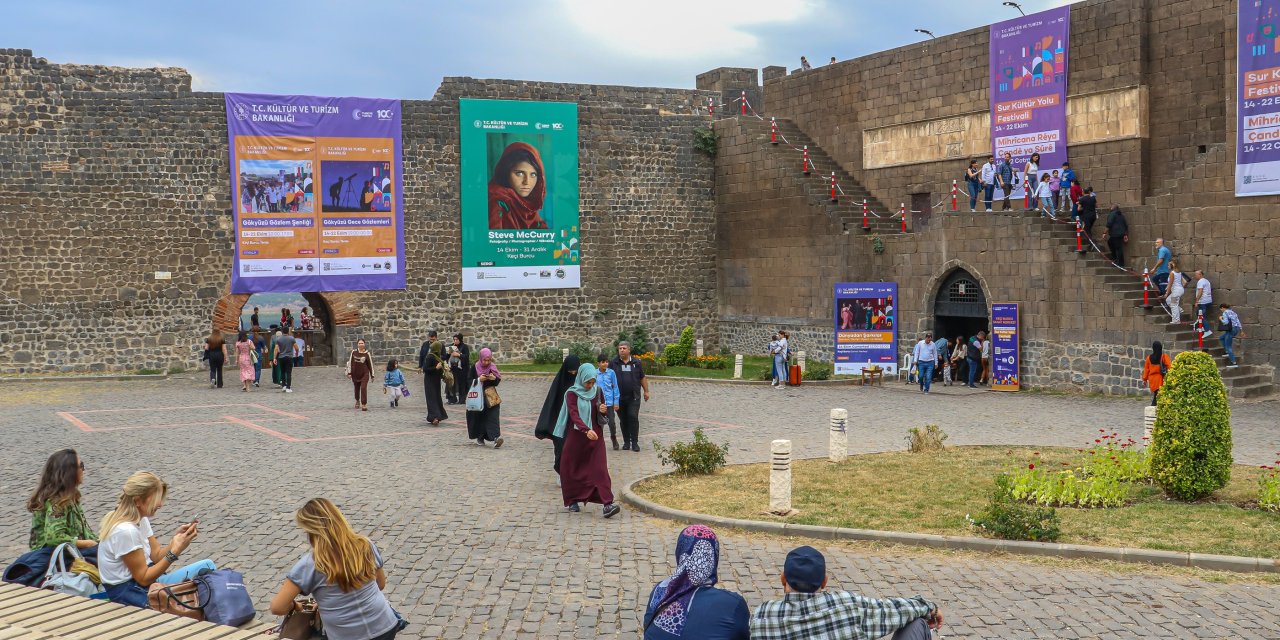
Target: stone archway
{"points": [[332, 309], [959, 301]]}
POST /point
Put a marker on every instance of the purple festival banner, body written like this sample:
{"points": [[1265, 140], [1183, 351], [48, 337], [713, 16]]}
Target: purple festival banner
{"points": [[1006, 355], [316, 184], [1258, 98], [866, 327], [1028, 76]]}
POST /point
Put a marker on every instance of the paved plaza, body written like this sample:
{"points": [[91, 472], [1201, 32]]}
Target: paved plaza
{"points": [[478, 545]]}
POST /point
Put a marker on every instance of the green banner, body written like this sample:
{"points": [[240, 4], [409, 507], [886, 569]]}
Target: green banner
{"points": [[519, 186]]}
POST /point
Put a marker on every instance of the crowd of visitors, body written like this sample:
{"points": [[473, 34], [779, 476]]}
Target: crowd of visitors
{"points": [[967, 361]]}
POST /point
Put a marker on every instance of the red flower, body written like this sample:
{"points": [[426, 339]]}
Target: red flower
{"points": [[1036, 453], [1098, 441], [1102, 430], [1031, 466]]}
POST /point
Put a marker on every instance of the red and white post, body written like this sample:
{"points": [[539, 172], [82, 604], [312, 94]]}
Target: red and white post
{"points": [[773, 130], [1200, 329], [954, 195], [834, 199], [1026, 196], [1079, 240], [744, 102], [805, 167], [866, 225], [902, 211], [1146, 289], [711, 106]]}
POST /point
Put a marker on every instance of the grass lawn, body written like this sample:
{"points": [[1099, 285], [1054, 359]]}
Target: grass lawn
{"points": [[753, 368], [931, 493]]}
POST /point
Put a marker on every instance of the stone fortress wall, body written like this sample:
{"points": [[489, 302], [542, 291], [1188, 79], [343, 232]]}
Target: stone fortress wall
{"points": [[109, 175], [1151, 120]]}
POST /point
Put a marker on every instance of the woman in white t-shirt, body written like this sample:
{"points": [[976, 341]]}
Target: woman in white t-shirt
{"points": [[130, 559], [343, 572]]}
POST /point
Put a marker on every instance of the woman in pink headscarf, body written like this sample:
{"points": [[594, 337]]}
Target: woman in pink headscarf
{"points": [[484, 425], [518, 189]]}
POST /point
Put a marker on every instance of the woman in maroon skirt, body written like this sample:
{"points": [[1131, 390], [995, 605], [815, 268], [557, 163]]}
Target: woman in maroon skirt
{"points": [[584, 467]]}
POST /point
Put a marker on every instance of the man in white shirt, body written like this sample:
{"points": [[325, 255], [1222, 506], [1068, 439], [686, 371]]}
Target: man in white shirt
{"points": [[1204, 298], [988, 182], [926, 355]]}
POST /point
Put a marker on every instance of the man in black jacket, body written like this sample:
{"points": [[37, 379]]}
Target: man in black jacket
{"points": [[1087, 207], [1117, 234]]}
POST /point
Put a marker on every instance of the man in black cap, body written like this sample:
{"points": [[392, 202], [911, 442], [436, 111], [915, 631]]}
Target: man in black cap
{"points": [[808, 612]]}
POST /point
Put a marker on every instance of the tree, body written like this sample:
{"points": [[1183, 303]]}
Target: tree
{"points": [[1191, 439]]}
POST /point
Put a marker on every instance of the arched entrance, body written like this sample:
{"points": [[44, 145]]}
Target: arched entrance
{"points": [[330, 310], [960, 306]]}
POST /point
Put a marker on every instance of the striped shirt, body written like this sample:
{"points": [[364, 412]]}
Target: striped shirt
{"points": [[834, 615]]}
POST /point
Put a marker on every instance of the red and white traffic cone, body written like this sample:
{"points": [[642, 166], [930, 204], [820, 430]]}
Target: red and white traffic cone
{"points": [[805, 168], [833, 188], [773, 130], [954, 204], [1146, 289], [1079, 241], [902, 211], [866, 226], [744, 102]]}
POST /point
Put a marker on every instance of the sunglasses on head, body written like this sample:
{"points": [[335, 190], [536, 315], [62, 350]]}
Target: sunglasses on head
{"points": [[82, 465]]}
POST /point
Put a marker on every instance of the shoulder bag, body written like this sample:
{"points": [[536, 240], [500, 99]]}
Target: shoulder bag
{"points": [[63, 579], [302, 623], [491, 397], [445, 373], [181, 599], [226, 601]]}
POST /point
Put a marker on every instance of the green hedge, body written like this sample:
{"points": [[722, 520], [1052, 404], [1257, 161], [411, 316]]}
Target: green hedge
{"points": [[1191, 440]]}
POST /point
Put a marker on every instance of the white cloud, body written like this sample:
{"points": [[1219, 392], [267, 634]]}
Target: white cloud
{"points": [[682, 29]]}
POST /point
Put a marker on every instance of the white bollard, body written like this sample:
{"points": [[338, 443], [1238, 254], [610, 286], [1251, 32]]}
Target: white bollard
{"points": [[839, 435], [1148, 423], [699, 347], [800, 360], [780, 478], [737, 367], [564, 354]]}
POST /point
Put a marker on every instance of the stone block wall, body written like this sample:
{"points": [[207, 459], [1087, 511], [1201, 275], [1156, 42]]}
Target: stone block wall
{"points": [[108, 175]]}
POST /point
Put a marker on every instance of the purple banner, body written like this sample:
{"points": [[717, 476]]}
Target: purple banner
{"points": [[866, 327], [1005, 353], [305, 173], [1258, 98], [1028, 76]]}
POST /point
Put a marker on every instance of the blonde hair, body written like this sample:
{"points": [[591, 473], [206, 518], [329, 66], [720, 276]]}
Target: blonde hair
{"points": [[142, 484], [342, 555]]}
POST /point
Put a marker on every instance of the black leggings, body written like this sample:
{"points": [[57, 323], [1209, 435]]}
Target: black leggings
{"points": [[215, 367], [286, 372]]}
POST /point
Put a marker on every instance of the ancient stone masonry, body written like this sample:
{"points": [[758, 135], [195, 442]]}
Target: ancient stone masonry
{"points": [[109, 175]]}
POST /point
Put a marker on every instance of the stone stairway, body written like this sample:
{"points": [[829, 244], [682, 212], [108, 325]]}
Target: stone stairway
{"points": [[817, 185]]}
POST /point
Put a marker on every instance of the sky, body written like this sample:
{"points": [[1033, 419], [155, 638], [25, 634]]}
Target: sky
{"points": [[402, 49]]}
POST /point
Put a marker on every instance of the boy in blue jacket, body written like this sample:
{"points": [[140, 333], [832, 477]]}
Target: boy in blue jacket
{"points": [[607, 382]]}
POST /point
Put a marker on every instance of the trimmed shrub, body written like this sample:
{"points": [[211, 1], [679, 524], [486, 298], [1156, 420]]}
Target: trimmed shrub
{"points": [[677, 355], [585, 351], [546, 355], [1007, 518], [926, 440], [638, 337], [1191, 440], [702, 456], [818, 370]]}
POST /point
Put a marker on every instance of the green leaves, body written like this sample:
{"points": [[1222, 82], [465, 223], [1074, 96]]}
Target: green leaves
{"points": [[702, 456], [1191, 440]]}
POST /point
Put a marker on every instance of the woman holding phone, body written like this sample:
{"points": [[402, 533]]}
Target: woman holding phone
{"points": [[130, 559]]}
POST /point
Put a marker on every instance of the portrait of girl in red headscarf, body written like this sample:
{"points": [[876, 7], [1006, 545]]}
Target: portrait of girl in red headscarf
{"points": [[518, 189]]}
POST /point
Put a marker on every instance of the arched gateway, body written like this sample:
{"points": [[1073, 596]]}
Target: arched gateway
{"points": [[331, 310], [960, 306]]}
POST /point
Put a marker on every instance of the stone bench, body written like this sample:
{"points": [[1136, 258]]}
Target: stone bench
{"points": [[39, 614]]}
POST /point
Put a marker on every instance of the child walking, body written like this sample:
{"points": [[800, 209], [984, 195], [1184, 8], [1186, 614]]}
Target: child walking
{"points": [[1055, 187], [393, 381], [607, 381]]}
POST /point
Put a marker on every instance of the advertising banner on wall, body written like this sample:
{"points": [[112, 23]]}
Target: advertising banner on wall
{"points": [[1258, 98], [866, 326], [1028, 76], [1005, 352], [317, 190], [519, 195]]}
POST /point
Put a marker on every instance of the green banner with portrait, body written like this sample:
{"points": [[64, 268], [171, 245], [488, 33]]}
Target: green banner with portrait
{"points": [[519, 187]]}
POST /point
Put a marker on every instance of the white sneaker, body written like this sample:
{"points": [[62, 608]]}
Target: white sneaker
{"points": [[288, 390]]}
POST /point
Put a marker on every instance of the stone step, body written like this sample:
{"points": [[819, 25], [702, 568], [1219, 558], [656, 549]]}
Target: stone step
{"points": [[1259, 390]]}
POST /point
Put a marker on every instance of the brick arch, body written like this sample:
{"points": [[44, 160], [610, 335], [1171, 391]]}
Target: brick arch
{"points": [[933, 289], [342, 307]]}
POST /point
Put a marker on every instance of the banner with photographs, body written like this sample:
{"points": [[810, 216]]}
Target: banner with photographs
{"points": [[519, 189], [866, 327]]}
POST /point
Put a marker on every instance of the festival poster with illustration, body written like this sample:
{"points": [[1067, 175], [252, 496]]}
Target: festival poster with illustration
{"points": [[1028, 91], [316, 183], [519, 188], [866, 326], [1258, 98], [1005, 353]]}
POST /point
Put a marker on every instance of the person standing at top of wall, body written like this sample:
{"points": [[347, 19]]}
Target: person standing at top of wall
{"points": [[1004, 173], [1160, 273], [973, 181], [988, 181], [804, 64]]}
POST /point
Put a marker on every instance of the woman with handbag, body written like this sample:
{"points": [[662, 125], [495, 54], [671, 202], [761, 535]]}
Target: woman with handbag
{"points": [[130, 559], [688, 604], [246, 358], [56, 514], [433, 365], [360, 372], [485, 425], [343, 572]]}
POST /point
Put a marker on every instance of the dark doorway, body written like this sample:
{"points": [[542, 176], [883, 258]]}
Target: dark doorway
{"points": [[317, 336], [960, 308]]}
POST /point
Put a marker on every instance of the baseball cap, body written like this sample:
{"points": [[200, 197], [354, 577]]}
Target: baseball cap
{"points": [[805, 569]]}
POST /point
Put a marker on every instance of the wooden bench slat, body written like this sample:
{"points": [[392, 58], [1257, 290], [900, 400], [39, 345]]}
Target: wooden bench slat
{"points": [[14, 633], [103, 619], [23, 600], [161, 626], [215, 632], [124, 617], [81, 608], [6, 587], [38, 607], [244, 634]]}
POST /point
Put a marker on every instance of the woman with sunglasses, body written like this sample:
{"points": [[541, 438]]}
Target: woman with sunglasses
{"points": [[56, 514]]}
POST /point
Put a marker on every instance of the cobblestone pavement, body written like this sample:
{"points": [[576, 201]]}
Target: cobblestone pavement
{"points": [[478, 545]]}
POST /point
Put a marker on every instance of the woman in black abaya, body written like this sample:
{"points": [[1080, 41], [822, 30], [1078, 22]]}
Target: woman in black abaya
{"points": [[551, 406]]}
